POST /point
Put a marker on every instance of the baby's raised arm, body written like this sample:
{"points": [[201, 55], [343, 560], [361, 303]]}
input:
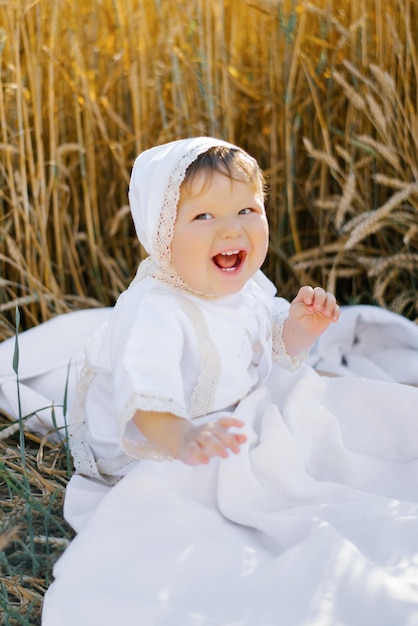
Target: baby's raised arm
{"points": [[181, 439], [310, 313]]}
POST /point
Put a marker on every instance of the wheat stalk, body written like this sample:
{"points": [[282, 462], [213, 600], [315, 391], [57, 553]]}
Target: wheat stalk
{"points": [[371, 221]]}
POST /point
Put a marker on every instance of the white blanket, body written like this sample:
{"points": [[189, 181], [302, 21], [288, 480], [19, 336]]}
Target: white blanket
{"points": [[314, 523], [370, 342], [50, 356]]}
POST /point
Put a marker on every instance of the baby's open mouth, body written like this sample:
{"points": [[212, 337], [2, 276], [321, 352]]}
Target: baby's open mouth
{"points": [[229, 261]]}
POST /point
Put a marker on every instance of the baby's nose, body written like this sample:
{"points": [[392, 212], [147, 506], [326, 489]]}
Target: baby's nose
{"points": [[231, 227]]}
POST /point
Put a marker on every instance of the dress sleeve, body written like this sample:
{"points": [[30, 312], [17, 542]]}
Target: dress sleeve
{"points": [[279, 353], [148, 355]]}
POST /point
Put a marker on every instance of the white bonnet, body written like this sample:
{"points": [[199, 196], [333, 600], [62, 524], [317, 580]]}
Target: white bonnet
{"points": [[154, 191]]}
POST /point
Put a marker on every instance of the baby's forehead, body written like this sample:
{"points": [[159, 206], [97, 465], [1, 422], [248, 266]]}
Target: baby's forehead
{"points": [[198, 180], [200, 183]]}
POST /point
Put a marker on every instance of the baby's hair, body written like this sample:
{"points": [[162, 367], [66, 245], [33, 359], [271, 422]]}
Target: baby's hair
{"points": [[231, 162]]}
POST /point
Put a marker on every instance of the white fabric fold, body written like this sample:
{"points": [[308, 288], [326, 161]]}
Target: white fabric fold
{"points": [[372, 342], [311, 524]]}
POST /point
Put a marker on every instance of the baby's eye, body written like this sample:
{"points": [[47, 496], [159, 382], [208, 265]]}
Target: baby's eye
{"points": [[246, 211], [203, 216]]}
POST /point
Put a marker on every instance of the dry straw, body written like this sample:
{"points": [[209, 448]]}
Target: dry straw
{"points": [[322, 95]]}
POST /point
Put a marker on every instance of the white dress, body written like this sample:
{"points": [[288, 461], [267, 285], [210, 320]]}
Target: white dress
{"points": [[166, 350], [314, 522]]}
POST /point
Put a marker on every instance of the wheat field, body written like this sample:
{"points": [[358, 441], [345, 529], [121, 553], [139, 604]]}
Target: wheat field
{"points": [[323, 93]]}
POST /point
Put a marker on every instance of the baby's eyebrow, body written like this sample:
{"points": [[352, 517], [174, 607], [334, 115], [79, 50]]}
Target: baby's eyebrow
{"points": [[193, 209]]}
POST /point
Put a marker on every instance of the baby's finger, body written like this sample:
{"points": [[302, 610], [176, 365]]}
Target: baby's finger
{"points": [[195, 455], [335, 313], [326, 304], [305, 295], [230, 422], [330, 305], [319, 299], [232, 440], [240, 439], [212, 442]]}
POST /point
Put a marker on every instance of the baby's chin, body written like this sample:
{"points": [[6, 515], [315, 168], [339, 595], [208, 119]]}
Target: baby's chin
{"points": [[207, 291], [215, 293]]}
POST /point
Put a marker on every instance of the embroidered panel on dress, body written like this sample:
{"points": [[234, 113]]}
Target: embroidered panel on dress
{"points": [[203, 396]]}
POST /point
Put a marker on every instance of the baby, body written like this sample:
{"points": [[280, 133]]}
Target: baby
{"points": [[199, 327]]}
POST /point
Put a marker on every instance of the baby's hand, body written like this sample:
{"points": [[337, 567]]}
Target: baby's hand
{"points": [[201, 443], [313, 310]]}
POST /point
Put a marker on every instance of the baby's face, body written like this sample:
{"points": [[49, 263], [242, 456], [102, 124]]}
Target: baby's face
{"points": [[220, 236]]}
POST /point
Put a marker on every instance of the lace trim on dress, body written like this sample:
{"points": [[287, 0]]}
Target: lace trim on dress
{"points": [[84, 461], [107, 470], [146, 402], [279, 352], [203, 396]]}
